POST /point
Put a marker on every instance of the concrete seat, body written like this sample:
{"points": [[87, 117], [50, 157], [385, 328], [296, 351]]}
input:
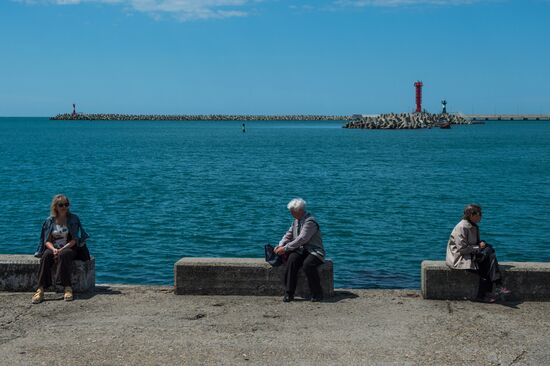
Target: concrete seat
{"points": [[241, 276], [526, 280], [20, 273]]}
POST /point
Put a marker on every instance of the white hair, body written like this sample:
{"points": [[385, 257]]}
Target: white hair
{"points": [[296, 204]]}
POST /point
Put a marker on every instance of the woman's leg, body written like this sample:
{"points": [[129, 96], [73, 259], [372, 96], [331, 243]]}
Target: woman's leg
{"points": [[65, 259], [490, 268], [485, 286], [45, 271], [310, 268], [293, 264]]}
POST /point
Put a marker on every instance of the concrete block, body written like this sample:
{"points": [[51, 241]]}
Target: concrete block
{"points": [[241, 276], [20, 273], [528, 281]]}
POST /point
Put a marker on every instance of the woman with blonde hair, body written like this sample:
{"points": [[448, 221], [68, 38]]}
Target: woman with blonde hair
{"points": [[62, 240]]}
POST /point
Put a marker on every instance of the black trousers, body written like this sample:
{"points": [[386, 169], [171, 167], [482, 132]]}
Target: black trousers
{"points": [[47, 261], [488, 271], [310, 263]]}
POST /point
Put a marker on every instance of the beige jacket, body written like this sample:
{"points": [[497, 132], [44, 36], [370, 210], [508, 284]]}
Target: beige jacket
{"points": [[463, 243]]}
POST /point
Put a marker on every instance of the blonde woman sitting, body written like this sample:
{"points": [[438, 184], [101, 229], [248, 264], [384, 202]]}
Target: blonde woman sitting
{"points": [[62, 240]]}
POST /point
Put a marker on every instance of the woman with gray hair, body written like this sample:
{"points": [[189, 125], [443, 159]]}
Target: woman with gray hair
{"points": [[304, 246], [466, 251]]}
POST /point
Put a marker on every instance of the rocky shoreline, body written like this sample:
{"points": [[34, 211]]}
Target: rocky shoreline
{"points": [[189, 117], [406, 121]]}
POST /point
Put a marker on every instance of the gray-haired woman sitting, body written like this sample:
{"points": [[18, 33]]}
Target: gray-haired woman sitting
{"points": [[304, 245], [466, 251]]}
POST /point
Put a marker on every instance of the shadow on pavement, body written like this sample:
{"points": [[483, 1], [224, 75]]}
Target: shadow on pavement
{"points": [[340, 295], [98, 290]]}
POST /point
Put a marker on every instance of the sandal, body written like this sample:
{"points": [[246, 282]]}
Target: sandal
{"points": [[68, 296], [38, 296]]}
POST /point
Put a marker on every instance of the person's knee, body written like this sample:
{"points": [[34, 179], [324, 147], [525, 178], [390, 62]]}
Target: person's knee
{"points": [[310, 266], [65, 255], [292, 257], [47, 255]]}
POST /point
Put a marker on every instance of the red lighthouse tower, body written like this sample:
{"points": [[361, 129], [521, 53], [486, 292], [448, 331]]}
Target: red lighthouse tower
{"points": [[418, 85]]}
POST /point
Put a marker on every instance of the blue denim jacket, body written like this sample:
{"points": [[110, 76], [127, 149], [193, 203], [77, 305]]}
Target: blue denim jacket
{"points": [[75, 229]]}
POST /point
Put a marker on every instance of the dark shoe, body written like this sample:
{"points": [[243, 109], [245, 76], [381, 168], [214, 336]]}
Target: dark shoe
{"points": [[288, 298], [316, 298]]}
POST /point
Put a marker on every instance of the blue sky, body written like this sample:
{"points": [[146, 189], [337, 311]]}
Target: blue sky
{"points": [[273, 56]]}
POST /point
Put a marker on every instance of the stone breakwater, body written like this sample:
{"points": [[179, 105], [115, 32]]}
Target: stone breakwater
{"points": [[406, 121], [199, 117]]}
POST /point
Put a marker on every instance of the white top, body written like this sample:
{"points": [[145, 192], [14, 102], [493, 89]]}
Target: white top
{"points": [[59, 236]]}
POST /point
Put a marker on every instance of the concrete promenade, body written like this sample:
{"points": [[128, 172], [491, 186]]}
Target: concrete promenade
{"points": [[141, 325]]}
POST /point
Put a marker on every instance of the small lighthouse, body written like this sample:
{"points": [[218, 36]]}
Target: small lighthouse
{"points": [[418, 85]]}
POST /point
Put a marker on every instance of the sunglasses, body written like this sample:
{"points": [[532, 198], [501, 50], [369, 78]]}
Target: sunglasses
{"points": [[63, 205]]}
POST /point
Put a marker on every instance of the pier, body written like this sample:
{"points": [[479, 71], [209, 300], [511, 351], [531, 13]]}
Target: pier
{"points": [[507, 117]]}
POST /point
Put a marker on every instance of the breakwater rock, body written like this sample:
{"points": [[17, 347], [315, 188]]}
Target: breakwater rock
{"points": [[199, 117], [406, 121]]}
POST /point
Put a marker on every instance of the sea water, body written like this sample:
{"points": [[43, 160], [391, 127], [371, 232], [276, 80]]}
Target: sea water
{"points": [[152, 192]]}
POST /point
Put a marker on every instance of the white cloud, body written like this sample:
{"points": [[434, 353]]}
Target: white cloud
{"points": [[394, 3], [184, 10]]}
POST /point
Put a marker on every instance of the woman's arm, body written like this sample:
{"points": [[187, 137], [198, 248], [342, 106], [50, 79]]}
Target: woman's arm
{"points": [[77, 231], [49, 245], [70, 244], [462, 244], [280, 248], [287, 237]]}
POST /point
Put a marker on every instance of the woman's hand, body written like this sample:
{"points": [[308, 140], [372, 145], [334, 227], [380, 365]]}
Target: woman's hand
{"points": [[55, 252], [279, 250]]}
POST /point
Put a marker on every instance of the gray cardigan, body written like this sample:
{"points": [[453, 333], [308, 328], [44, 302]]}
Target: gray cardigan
{"points": [[308, 238]]}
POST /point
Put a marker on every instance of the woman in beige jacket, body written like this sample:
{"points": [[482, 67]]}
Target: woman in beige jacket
{"points": [[466, 251]]}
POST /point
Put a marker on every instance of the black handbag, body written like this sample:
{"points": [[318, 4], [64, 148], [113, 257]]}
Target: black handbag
{"points": [[82, 253], [482, 254], [272, 258]]}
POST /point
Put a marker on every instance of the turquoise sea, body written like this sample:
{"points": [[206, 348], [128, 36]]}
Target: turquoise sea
{"points": [[150, 193]]}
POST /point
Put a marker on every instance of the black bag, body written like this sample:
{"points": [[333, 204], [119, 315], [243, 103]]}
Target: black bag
{"points": [[272, 258], [483, 253], [82, 253]]}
